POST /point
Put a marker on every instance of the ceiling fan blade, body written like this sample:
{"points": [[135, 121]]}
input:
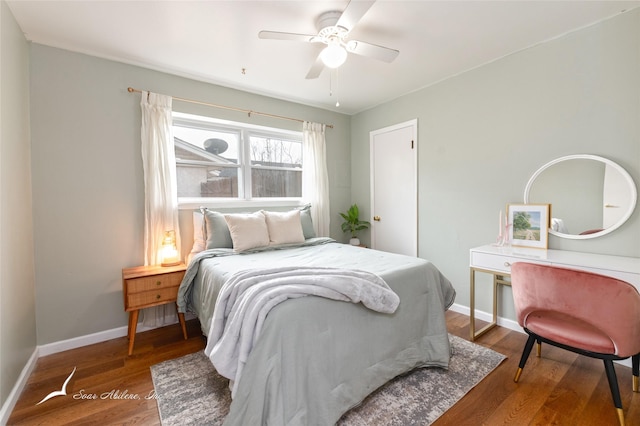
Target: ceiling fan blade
{"points": [[353, 13], [276, 35], [369, 50], [316, 69]]}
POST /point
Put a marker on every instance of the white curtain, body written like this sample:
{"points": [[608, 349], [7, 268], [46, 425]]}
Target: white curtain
{"points": [[161, 202], [315, 179]]}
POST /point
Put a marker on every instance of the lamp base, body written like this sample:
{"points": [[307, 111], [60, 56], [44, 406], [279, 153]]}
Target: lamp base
{"points": [[168, 263]]}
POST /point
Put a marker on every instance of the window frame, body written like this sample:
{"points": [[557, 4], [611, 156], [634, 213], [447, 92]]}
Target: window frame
{"points": [[244, 131]]}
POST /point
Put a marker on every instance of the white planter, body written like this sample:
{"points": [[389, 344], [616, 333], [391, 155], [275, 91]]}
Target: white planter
{"points": [[354, 241]]}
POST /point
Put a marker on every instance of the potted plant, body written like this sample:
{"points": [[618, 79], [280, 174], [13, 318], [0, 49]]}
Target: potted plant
{"points": [[353, 224]]}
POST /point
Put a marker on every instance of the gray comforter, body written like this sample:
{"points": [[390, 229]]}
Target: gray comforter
{"points": [[316, 358], [248, 296]]}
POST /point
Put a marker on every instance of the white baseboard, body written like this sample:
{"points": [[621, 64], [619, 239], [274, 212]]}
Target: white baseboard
{"points": [[61, 346], [101, 336], [460, 309], [23, 378], [77, 342], [485, 316]]}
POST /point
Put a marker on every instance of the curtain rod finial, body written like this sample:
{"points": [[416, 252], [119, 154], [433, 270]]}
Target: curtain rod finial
{"points": [[130, 89]]}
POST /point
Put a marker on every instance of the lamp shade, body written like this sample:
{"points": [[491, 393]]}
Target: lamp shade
{"points": [[333, 55], [169, 252]]}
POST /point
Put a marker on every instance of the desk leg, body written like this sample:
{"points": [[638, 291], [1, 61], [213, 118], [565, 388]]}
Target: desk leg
{"points": [[495, 297], [472, 308], [472, 305], [133, 325]]}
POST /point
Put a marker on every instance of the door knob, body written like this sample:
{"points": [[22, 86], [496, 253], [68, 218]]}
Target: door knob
{"points": [[376, 218]]}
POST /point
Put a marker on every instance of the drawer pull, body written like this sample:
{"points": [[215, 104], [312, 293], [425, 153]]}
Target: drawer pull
{"points": [[507, 264], [158, 282], [158, 296]]}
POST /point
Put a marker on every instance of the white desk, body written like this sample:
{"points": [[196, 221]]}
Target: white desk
{"points": [[497, 261]]}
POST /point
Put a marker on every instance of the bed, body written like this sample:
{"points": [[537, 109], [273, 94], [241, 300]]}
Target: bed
{"points": [[315, 358]]}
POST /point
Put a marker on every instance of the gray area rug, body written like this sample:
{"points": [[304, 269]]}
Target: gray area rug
{"points": [[190, 392]]}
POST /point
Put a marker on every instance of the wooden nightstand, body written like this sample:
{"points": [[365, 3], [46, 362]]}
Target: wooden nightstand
{"points": [[146, 286]]}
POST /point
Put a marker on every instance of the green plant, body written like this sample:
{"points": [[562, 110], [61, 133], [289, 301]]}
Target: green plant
{"points": [[352, 222]]}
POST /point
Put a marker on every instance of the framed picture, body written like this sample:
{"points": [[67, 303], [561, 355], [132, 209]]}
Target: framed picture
{"points": [[528, 224]]}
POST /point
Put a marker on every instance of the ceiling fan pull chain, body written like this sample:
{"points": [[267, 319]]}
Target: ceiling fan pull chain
{"points": [[330, 84], [331, 74], [337, 101]]}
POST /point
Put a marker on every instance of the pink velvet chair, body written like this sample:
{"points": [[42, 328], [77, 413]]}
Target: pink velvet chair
{"points": [[587, 313]]}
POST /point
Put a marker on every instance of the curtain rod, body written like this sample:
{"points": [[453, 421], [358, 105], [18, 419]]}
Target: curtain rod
{"points": [[247, 111]]}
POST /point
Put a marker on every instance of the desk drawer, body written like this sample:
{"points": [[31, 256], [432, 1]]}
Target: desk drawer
{"points": [[499, 263], [154, 282]]}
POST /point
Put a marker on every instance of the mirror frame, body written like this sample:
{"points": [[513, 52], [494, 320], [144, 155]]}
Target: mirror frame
{"points": [[616, 166]]}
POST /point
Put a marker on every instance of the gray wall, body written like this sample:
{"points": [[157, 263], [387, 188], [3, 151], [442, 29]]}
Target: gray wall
{"points": [[17, 300], [482, 134], [88, 181]]}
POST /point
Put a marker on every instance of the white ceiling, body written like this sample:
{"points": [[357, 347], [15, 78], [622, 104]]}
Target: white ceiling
{"points": [[214, 41]]}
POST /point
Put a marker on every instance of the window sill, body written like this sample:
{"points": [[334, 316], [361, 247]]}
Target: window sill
{"points": [[232, 203]]}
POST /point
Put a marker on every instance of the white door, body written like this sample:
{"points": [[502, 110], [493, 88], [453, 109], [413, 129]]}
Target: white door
{"points": [[394, 193]]}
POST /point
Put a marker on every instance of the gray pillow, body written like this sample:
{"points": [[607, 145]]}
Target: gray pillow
{"points": [[307, 224], [216, 230]]}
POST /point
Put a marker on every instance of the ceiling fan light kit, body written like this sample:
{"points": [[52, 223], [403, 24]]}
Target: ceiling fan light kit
{"points": [[333, 55]]}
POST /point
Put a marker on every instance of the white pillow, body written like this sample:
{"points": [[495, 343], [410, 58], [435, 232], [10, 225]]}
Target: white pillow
{"points": [[199, 240], [248, 230], [284, 227]]}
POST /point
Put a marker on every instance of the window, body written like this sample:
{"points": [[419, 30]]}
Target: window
{"points": [[219, 160]]}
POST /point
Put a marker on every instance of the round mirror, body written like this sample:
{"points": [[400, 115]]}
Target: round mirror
{"points": [[590, 196]]}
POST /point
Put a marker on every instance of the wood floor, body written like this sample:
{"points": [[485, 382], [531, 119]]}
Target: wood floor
{"points": [[560, 388]]}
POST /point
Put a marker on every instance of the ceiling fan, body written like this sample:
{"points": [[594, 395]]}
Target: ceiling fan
{"points": [[333, 29]]}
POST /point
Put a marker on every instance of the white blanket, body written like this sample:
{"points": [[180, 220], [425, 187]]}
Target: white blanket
{"points": [[247, 297]]}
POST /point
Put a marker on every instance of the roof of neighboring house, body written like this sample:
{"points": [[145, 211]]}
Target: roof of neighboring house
{"points": [[186, 152]]}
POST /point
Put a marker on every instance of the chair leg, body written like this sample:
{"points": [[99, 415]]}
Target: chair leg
{"points": [[615, 391], [539, 349], [525, 355], [635, 369]]}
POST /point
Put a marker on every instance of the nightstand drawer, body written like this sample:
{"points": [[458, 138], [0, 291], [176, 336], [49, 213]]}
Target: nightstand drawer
{"points": [[154, 282], [149, 298]]}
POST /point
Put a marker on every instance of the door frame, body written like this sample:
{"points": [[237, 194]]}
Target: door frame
{"points": [[413, 123]]}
